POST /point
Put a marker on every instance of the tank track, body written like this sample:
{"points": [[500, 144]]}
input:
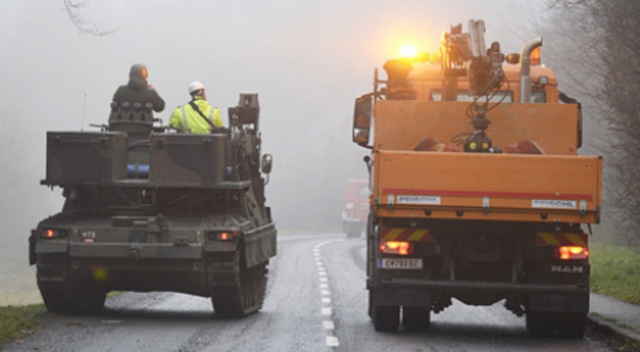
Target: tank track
{"points": [[246, 295], [65, 298]]}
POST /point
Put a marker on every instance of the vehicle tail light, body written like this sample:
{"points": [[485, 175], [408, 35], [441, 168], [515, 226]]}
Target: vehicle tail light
{"points": [[572, 252], [52, 233], [222, 235], [396, 247]]}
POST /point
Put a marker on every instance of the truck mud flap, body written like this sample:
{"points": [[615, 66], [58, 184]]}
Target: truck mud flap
{"points": [[414, 297], [556, 302], [260, 244]]}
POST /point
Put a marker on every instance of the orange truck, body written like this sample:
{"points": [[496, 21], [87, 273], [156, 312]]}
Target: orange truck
{"points": [[478, 193]]}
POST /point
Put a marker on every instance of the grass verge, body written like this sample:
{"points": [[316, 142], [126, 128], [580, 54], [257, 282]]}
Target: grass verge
{"points": [[613, 340], [615, 271], [17, 322]]}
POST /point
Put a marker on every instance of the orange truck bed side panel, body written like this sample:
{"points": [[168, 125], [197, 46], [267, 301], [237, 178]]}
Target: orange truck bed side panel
{"points": [[402, 124], [503, 187]]}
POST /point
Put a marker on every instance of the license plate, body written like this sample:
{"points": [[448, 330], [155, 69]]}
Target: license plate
{"points": [[403, 263]]}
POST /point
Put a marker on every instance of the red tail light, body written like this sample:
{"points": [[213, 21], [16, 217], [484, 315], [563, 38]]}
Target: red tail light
{"points": [[572, 252], [396, 247], [52, 233], [222, 236]]}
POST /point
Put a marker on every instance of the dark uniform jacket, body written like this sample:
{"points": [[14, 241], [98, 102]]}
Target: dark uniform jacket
{"points": [[138, 91]]}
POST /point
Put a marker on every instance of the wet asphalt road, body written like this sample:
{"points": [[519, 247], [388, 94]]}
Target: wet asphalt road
{"points": [[316, 301]]}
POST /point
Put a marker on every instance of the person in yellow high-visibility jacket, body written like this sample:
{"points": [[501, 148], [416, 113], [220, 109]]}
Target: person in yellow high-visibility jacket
{"points": [[196, 116]]}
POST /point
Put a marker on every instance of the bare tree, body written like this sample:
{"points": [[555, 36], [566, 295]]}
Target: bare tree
{"points": [[74, 9], [605, 35]]}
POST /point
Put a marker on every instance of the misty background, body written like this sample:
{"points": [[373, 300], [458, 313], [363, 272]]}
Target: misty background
{"points": [[63, 60]]}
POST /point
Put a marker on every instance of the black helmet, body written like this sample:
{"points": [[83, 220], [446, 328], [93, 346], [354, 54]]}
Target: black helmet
{"points": [[139, 71]]}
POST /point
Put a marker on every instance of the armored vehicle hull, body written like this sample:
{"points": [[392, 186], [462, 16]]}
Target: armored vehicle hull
{"points": [[161, 212]]}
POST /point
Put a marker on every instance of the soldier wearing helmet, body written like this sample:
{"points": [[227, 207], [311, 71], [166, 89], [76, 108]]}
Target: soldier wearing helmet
{"points": [[138, 92], [196, 116]]}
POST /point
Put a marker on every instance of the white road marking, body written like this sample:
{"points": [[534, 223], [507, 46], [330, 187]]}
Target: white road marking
{"points": [[332, 341], [328, 325], [327, 311]]}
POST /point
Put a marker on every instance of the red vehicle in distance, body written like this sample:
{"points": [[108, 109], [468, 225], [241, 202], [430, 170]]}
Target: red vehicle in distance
{"points": [[356, 207]]}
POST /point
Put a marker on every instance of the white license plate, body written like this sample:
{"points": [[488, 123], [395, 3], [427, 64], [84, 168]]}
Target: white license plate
{"points": [[403, 263]]}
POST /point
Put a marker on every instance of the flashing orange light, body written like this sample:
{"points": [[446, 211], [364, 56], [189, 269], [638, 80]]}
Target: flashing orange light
{"points": [[222, 236], [535, 56], [396, 247], [52, 233], [408, 52], [434, 57], [572, 252]]}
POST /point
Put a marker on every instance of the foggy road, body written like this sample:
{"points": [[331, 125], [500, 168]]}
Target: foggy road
{"points": [[316, 300]]}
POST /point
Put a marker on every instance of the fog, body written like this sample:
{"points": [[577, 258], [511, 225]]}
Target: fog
{"points": [[308, 61]]}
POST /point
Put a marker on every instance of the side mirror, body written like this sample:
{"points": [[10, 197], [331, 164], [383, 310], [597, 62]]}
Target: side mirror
{"points": [[266, 163], [362, 119]]}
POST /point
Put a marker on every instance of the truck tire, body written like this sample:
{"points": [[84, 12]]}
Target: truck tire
{"points": [[572, 325], [416, 319], [64, 298], [539, 324], [247, 294], [385, 318]]}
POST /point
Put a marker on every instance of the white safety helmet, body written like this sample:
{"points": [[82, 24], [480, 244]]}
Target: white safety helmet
{"points": [[195, 86]]}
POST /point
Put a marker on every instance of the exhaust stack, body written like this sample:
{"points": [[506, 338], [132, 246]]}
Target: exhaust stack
{"points": [[525, 68]]}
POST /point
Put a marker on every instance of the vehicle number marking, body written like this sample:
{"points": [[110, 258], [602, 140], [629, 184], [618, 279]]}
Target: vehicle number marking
{"points": [[403, 264], [554, 204], [88, 236], [409, 199]]}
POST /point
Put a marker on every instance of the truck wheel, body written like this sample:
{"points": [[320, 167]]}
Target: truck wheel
{"points": [[416, 319], [539, 324], [572, 325], [385, 318], [246, 296], [66, 299]]}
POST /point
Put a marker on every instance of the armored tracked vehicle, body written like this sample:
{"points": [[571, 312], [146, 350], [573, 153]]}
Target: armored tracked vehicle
{"points": [[150, 210]]}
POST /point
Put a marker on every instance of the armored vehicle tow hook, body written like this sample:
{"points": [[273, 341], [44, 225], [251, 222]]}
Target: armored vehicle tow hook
{"points": [[135, 251], [153, 227]]}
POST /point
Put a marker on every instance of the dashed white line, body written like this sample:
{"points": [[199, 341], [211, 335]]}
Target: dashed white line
{"points": [[328, 325], [326, 311], [332, 341]]}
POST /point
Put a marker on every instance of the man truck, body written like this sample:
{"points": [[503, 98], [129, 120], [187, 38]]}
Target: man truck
{"points": [[478, 193]]}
